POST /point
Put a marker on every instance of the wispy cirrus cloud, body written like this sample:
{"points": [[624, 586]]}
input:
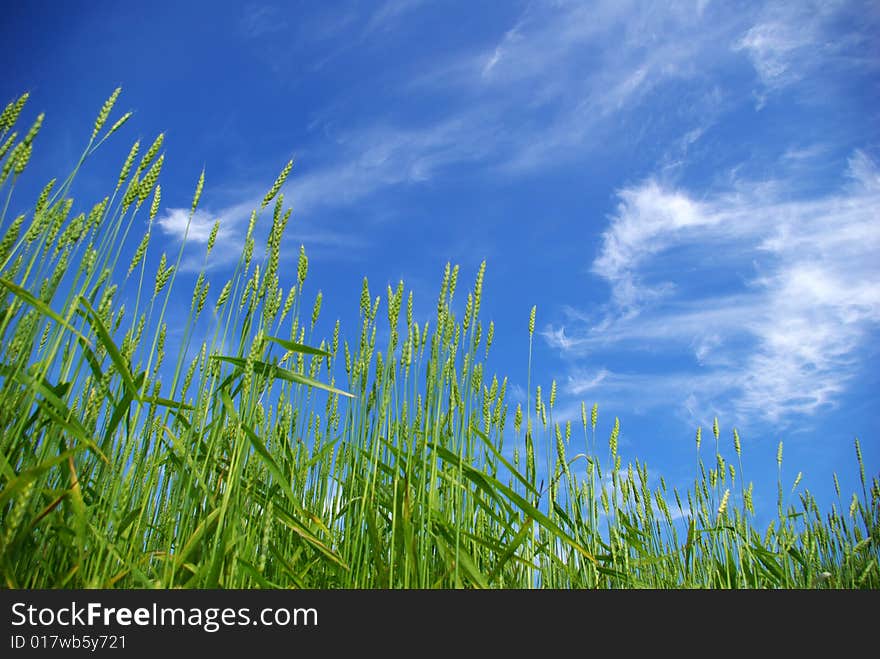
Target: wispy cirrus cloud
{"points": [[259, 20], [562, 81], [555, 84], [570, 74], [177, 224], [790, 40], [764, 304], [776, 47], [389, 14], [180, 224], [382, 157], [566, 79]]}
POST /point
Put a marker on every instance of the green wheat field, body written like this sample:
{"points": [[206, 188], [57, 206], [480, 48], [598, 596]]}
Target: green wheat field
{"points": [[274, 458]]}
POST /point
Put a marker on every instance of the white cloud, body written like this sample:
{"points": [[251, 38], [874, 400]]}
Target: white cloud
{"points": [[177, 223], [649, 218], [564, 80], [234, 220], [582, 383], [864, 172], [561, 81], [788, 40], [389, 14], [774, 48], [381, 157], [551, 88], [557, 338], [774, 298]]}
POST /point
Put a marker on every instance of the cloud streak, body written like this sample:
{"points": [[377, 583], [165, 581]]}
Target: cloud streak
{"points": [[763, 302], [554, 85], [261, 20], [175, 223], [562, 82], [788, 41]]}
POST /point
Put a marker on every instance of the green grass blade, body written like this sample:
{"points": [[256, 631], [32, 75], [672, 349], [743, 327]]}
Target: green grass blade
{"points": [[42, 307]]}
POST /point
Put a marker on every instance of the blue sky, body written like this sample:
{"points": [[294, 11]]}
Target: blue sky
{"points": [[688, 191]]}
